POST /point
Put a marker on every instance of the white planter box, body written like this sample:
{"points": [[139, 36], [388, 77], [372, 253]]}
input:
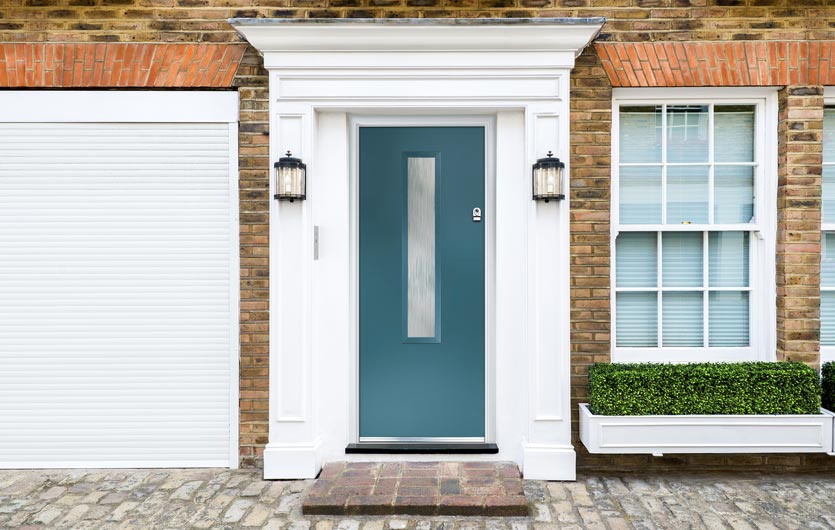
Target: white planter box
{"points": [[791, 433]]}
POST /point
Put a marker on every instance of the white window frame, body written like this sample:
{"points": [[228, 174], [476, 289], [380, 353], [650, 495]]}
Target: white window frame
{"points": [[827, 353], [762, 261]]}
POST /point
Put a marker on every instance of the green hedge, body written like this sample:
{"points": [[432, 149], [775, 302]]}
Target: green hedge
{"points": [[828, 384], [706, 388]]}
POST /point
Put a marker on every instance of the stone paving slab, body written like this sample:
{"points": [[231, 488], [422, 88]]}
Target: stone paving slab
{"points": [[233, 499], [418, 488]]}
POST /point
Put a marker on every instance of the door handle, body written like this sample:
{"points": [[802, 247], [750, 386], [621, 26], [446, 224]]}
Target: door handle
{"points": [[476, 215]]}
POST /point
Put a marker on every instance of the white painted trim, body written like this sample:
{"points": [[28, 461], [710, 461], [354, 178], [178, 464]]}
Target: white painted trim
{"points": [[234, 295], [392, 39], [124, 106], [827, 353], [359, 119], [549, 462], [657, 435], [292, 461], [762, 278]]}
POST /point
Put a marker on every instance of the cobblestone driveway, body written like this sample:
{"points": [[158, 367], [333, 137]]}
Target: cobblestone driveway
{"points": [[152, 499]]}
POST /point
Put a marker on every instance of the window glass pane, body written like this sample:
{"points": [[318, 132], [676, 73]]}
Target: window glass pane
{"points": [[727, 255], [640, 134], [828, 259], [829, 165], [728, 320], [829, 134], [637, 319], [828, 193], [733, 194], [640, 195], [828, 318], [687, 133], [682, 319], [637, 259], [733, 133], [682, 259], [421, 247], [687, 194]]}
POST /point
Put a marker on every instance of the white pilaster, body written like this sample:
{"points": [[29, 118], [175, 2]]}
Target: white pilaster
{"points": [[292, 451], [549, 453]]}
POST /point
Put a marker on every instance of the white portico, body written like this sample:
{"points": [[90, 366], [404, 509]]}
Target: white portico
{"points": [[329, 79]]}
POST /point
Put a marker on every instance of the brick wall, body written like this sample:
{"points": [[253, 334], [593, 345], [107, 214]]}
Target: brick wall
{"points": [[638, 21], [800, 153], [254, 165]]}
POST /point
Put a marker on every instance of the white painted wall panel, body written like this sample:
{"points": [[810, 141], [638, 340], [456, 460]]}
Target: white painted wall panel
{"points": [[117, 294]]}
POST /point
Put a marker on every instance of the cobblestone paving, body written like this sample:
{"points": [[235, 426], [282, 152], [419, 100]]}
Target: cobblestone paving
{"points": [[185, 499]]}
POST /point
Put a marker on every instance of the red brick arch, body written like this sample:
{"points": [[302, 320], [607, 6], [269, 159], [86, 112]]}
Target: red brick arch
{"points": [[123, 65], [696, 64]]}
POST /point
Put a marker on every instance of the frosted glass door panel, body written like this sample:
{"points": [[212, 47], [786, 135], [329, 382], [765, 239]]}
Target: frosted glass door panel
{"points": [[421, 247]]}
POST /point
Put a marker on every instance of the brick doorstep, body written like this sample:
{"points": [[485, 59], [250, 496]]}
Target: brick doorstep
{"points": [[418, 488]]}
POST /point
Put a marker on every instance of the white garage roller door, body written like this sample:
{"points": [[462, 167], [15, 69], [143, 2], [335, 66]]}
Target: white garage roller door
{"points": [[118, 279]]}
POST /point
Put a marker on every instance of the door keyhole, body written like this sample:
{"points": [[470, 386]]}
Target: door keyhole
{"points": [[476, 215]]}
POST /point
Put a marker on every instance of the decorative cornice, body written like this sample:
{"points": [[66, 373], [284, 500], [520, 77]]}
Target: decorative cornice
{"points": [[418, 36], [124, 65], [696, 64]]}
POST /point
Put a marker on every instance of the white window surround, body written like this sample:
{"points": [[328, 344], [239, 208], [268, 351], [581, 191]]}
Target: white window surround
{"points": [[326, 78], [763, 233], [828, 352]]}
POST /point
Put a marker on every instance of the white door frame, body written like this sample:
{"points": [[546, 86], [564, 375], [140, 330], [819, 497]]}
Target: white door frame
{"points": [[358, 119], [321, 74]]}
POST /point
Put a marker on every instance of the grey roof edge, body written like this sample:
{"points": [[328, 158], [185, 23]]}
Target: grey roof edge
{"points": [[423, 21]]}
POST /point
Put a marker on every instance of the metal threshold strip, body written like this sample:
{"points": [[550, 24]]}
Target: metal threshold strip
{"points": [[422, 448]]}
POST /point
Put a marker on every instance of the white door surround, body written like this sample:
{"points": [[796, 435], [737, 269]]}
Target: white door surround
{"points": [[327, 76]]}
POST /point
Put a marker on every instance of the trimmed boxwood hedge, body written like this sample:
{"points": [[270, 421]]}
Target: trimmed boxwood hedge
{"points": [[828, 384], [705, 388]]}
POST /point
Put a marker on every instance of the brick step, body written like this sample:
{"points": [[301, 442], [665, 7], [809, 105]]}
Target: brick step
{"points": [[417, 488]]}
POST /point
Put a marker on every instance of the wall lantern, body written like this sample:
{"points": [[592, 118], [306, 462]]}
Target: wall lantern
{"points": [[290, 178], [548, 179]]}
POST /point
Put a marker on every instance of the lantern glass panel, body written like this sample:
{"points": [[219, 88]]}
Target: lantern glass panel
{"points": [[290, 182], [547, 181]]}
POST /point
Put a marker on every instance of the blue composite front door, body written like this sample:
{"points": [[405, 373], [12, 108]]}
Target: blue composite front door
{"points": [[421, 283]]}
